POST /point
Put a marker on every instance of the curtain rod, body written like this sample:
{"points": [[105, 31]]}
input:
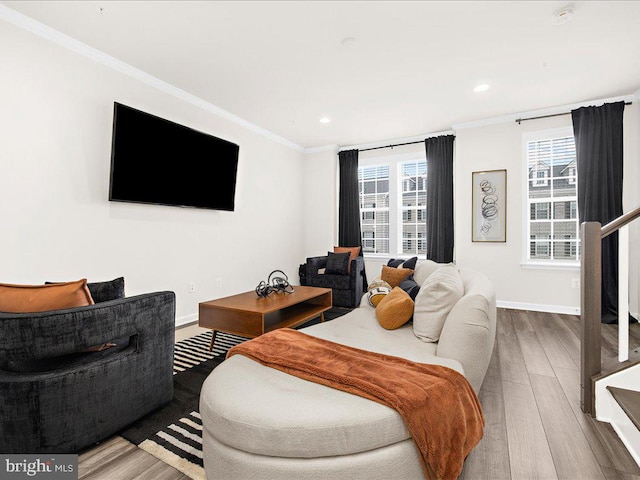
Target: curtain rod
{"points": [[520, 120], [392, 145]]}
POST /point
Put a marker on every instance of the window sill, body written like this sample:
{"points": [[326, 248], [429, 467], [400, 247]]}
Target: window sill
{"points": [[386, 257], [575, 267]]}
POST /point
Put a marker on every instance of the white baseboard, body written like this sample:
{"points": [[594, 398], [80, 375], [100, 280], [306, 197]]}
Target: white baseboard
{"points": [[187, 319], [536, 307]]}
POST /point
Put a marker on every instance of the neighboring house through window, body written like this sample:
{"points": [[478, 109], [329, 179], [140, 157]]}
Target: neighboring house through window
{"points": [[393, 199], [552, 233]]}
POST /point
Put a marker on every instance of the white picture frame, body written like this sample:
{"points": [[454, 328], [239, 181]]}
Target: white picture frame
{"points": [[489, 206]]}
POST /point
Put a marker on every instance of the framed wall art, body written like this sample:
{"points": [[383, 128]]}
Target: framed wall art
{"points": [[489, 206]]}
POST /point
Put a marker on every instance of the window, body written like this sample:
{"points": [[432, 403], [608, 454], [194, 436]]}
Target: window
{"points": [[552, 221], [374, 208], [414, 203], [393, 199]]}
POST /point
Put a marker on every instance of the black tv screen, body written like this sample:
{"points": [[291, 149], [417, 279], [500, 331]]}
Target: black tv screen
{"points": [[160, 162]]}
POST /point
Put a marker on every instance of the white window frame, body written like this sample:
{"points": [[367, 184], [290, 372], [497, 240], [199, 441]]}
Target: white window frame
{"points": [[395, 192], [364, 211], [527, 262]]}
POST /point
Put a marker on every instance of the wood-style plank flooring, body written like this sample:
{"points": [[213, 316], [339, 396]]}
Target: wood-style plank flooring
{"points": [[530, 397]]}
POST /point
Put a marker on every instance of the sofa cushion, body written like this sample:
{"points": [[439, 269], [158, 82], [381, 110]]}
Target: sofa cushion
{"points": [[105, 291], [42, 298], [437, 296], [393, 276], [423, 269], [402, 263], [377, 291], [410, 286], [337, 263], [352, 251], [395, 309]]}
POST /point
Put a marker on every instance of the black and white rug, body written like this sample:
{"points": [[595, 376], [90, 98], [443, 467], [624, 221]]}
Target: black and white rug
{"points": [[173, 433]]}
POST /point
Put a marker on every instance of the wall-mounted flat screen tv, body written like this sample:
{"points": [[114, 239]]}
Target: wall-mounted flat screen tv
{"points": [[160, 162]]}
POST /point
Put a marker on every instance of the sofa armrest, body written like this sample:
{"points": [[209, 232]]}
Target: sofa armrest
{"points": [[469, 331], [31, 336], [357, 277]]}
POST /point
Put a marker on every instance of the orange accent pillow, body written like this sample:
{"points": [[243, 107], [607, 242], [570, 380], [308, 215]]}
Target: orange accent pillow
{"points": [[395, 309], [42, 298], [394, 276], [352, 251]]}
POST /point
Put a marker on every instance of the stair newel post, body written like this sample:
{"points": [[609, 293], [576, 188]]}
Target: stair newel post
{"points": [[590, 312]]}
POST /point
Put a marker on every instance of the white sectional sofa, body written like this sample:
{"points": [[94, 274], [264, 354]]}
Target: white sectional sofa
{"points": [[260, 423]]}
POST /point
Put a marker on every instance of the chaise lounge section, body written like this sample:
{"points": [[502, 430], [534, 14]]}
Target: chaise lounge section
{"points": [[262, 423]]}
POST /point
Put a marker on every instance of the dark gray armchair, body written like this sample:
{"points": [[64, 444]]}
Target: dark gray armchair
{"points": [[346, 289], [54, 398]]}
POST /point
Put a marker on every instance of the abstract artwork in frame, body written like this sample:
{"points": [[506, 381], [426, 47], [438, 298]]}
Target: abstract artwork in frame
{"points": [[489, 206]]}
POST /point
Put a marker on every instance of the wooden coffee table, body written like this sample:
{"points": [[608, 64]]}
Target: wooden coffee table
{"points": [[248, 315]]}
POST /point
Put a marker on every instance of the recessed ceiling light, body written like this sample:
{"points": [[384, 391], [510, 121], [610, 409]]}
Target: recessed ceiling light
{"points": [[483, 87], [325, 120], [563, 15], [349, 42]]}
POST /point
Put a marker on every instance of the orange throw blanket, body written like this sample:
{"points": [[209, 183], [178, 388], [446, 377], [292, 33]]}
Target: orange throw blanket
{"points": [[438, 404]]}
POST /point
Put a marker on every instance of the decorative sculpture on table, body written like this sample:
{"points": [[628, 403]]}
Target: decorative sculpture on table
{"points": [[274, 284]]}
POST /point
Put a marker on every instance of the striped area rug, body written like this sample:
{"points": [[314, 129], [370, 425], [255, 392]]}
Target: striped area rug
{"points": [[173, 434], [195, 350]]}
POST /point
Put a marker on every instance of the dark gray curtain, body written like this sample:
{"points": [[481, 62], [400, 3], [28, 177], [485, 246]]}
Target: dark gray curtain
{"points": [[349, 233], [440, 198], [598, 137]]}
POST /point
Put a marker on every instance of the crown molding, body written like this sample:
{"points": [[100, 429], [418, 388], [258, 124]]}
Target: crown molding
{"points": [[512, 117], [637, 94], [323, 148], [40, 29]]}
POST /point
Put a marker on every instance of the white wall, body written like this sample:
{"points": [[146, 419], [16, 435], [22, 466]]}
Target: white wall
{"points": [[57, 224], [501, 146], [320, 200]]}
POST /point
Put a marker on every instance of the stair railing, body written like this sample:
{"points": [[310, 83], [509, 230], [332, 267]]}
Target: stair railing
{"points": [[592, 234]]}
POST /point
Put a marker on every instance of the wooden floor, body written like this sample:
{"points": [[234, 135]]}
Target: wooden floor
{"points": [[530, 397]]}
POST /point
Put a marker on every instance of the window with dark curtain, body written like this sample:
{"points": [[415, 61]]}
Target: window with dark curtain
{"points": [[439, 210], [599, 154], [349, 232]]}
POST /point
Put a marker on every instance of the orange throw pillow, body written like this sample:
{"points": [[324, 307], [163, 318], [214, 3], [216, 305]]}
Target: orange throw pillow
{"points": [[394, 276], [352, 251], [42, 298], [395, 309]]}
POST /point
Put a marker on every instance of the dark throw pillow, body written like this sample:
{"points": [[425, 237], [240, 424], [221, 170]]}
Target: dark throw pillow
{"points": [[402, 263], [337, 263], [105, 291], [410, 286]]}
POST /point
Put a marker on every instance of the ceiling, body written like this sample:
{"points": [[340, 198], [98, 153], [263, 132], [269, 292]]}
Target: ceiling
{"points": [[411, 69]]}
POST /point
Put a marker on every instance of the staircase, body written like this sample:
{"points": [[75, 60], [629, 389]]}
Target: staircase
{"points": [[611, 392], [618, 403]]}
